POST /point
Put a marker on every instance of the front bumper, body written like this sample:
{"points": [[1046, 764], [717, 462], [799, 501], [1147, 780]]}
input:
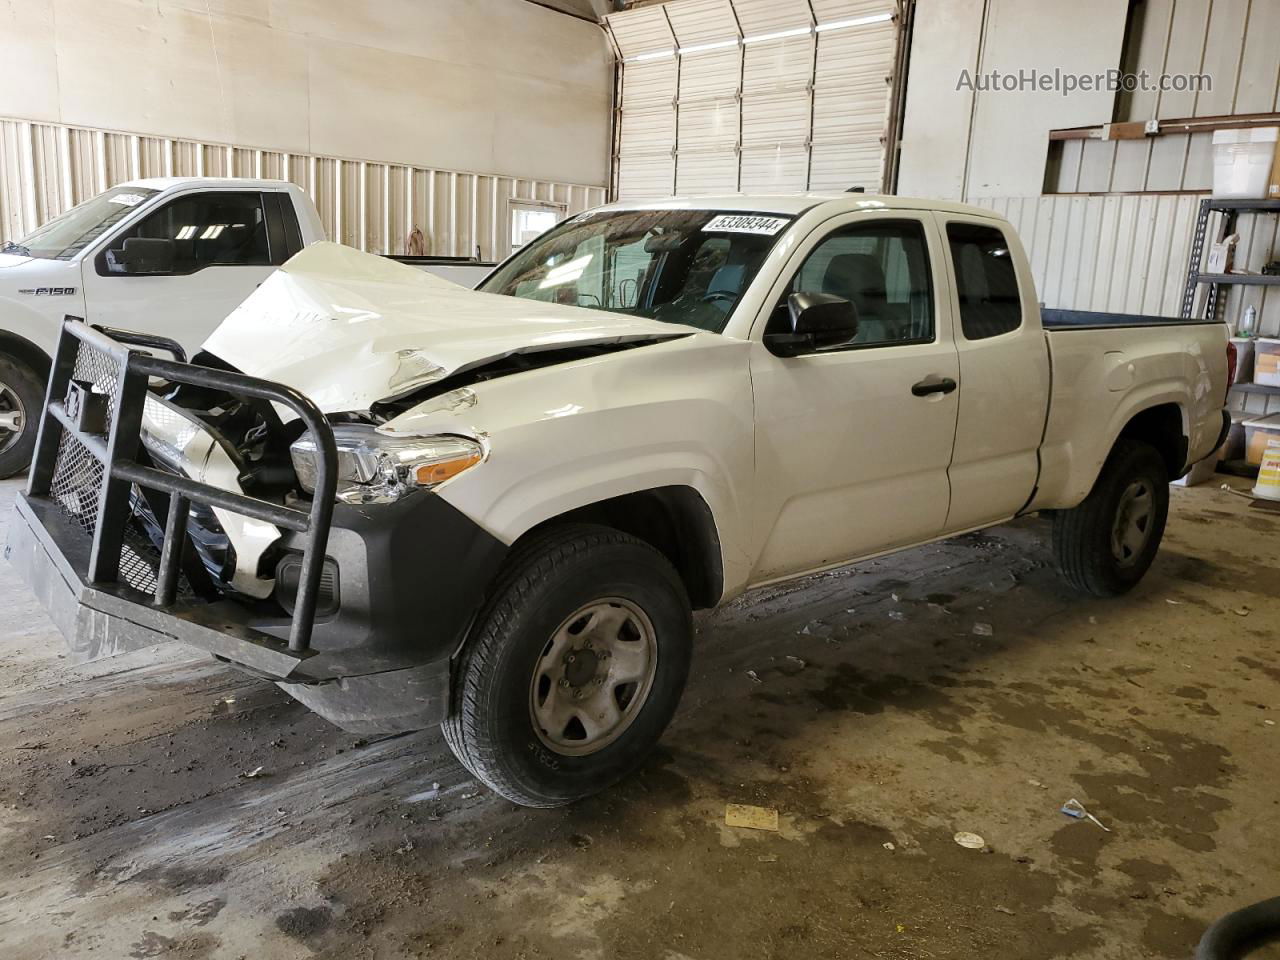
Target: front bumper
{"points": [[380, 664], [409, 575]]}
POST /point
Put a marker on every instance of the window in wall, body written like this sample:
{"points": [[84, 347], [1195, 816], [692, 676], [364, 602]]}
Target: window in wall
{"points": [[882, 268], [530, 222], [986, 281]]}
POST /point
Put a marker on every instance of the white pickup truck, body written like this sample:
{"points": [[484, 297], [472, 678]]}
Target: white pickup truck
{"points": [[168, 256], [409, 503]]}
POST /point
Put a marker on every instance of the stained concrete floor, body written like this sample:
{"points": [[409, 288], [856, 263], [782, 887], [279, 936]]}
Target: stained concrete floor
{"points": [[861, 704]]}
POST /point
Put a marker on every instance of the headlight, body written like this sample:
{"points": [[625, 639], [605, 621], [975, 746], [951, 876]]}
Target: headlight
{"points": [[375, 468]]}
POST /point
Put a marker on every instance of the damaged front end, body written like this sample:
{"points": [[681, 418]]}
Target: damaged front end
{"points": [[230, 513]]}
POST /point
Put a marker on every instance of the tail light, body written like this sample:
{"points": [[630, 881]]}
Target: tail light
{"points": [[1232, 359]]}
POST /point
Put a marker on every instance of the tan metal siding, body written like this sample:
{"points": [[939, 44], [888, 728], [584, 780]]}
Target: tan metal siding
{"points": [[47, 168]]}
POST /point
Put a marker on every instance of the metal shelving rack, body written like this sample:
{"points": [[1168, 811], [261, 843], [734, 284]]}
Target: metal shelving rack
{"points": [[1215, 281], [1194, 278], [1232, 209]]}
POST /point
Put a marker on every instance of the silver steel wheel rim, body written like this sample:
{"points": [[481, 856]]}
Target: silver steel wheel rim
{"points": [[12, 417], [1134, 517], [593, 677]]}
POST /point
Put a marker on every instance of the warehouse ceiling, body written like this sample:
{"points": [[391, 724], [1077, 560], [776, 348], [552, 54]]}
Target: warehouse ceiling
{"points": [[586, 9]]}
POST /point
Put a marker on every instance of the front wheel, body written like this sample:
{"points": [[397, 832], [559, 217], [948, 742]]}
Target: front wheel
{"points": [[1105, 545], [574, 668], [21, 399]]}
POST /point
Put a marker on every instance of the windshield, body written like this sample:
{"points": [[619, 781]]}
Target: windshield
{"points": [[677, 266], [65, 236]]}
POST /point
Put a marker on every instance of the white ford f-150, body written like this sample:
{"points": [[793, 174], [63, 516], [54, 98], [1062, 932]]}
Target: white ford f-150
{"points": [[170, 256], [409, 503]]}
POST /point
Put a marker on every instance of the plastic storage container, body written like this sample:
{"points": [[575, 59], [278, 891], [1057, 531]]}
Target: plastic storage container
{"points": [[1257, 434], [1242, 162], [1266, 361]]}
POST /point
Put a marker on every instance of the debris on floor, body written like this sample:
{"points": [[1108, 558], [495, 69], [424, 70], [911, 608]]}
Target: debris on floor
{"points": [[970, 841], [982, 630], [750, 817], [1074, 808]]}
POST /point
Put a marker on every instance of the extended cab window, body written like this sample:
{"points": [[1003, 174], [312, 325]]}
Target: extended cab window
{"points": [[207, 229], [882, 268], [986, 281]]}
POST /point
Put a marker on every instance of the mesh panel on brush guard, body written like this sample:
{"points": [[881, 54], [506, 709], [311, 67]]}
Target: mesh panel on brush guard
{"points": [[77, 474], [78, 478]]}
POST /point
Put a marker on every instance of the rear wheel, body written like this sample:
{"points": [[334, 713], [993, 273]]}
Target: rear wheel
{"points": [[574, 669], [21, 399], [1106, 544]]}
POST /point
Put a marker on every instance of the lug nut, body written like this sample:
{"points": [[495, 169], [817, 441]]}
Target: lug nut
{"points": [[570, 658], [577, 694], [564, 681]]}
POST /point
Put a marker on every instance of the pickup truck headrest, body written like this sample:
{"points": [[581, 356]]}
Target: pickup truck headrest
{"points": [[858, 278]]}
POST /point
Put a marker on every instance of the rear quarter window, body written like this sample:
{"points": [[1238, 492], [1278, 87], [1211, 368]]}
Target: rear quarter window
{"points": [[986, 281]]}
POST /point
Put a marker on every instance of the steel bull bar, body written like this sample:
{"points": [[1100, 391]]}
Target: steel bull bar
{"points": [[68, 533]]}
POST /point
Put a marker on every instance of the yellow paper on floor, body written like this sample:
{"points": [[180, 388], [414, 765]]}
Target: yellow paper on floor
{"points": [[753, 818]]}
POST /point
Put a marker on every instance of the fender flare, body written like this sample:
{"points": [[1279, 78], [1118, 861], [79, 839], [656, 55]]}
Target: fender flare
{"points": [[20, 348]]}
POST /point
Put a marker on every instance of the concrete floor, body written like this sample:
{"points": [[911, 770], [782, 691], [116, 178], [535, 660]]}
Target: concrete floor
{"points": [[877, 722]]}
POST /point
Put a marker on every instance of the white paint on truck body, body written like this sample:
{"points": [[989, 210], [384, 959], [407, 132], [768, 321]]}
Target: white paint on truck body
{"points": [[185, 307], [805, 462]]}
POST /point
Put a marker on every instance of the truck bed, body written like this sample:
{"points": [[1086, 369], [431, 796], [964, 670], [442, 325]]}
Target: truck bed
{"points": [[1091, 320]]}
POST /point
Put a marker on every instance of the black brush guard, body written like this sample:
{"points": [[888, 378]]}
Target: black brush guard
{"points": [[71, 529]]}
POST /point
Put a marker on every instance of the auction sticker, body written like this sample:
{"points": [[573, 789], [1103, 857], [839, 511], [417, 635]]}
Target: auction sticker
{"points": [[127, 199], [745, 223]]}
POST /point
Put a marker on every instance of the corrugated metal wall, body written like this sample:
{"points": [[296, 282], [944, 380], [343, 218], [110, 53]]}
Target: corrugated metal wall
{"points": [[1165, 163], [1235, 42], [1128, 254], [47, 168], [718, 96]]}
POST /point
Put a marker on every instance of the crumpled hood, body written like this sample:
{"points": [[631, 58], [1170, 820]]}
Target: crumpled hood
{"points": [[349, 329]]}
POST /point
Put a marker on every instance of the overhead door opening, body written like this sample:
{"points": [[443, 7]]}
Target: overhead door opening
{"points": [[721, 96]]}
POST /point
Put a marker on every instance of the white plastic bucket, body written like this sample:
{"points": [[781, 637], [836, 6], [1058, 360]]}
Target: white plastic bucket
{"points": [[1268, 485], [1242, 162]]}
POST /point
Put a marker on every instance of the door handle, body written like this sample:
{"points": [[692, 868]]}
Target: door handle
{"points": [[933, 384]]}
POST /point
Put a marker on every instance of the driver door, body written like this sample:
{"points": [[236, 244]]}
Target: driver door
{"points": [[224, 246], [851, 455]]}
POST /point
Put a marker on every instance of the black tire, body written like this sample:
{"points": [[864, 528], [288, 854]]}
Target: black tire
{"points": [[18, 381], [1082, 537], [491, 727], [1238, 934]]}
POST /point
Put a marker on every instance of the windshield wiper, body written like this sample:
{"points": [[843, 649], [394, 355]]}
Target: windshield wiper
{"points": [[11, 247]]}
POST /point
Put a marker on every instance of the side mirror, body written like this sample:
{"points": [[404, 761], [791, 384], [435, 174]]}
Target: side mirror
{"points": [[817, 320], [143, 255]]}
